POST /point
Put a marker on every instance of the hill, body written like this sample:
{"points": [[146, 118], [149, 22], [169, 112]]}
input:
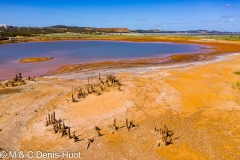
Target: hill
{"points": [[11, 31]]}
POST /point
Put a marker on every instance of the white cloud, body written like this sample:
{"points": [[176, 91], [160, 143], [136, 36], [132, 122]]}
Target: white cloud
{"points": [[232, 20], [230, 6], [142, 19], [178, 23], [212, 21], [227, 16]]}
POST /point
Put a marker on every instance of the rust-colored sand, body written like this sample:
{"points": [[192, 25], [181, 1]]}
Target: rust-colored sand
{"points": [[34, 59]]}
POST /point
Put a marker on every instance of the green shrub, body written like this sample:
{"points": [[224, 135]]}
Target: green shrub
{"points": [[237, 72]]}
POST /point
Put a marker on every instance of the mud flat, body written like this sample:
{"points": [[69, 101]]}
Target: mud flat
{"points": [[34, 59]]}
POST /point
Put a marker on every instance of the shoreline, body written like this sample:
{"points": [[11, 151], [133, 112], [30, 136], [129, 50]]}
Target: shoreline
{"points": [[214, 49], [136, 68]]}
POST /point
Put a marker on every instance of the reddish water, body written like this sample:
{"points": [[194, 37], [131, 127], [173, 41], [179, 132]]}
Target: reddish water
{"points": [[74, 52]]}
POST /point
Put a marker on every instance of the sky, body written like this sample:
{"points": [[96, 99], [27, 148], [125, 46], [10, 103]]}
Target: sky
{"points": [[178, 15]]}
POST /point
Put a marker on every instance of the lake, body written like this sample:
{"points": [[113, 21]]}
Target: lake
{"points": [[74, 52]]}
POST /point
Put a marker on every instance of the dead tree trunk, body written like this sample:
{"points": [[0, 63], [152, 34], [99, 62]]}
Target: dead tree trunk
{"points": [[69, 133], [127, 123], [49, 118], [90, 140], [114, 125], [46, 122]]}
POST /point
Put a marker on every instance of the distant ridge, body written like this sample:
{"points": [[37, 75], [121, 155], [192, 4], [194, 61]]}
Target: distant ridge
{"points": [[12, 31], [187, 32], [62, 28], [75, 28]]}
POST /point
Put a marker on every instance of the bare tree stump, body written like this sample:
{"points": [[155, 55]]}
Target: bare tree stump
{"points": [[90, 140], [49, 118], [69, 133]]}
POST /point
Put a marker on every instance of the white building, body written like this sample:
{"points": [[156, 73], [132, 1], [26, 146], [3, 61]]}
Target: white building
{"points": [[3, 25]]}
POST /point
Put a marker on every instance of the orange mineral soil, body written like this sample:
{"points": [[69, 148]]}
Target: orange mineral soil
{"points": [[199, 102], [34, 59]]}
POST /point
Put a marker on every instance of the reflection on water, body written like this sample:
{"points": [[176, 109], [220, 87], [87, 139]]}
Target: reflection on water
{"points": [[72, 52]]}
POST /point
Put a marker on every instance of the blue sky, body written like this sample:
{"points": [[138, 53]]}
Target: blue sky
{"points": [[222, 15]]}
